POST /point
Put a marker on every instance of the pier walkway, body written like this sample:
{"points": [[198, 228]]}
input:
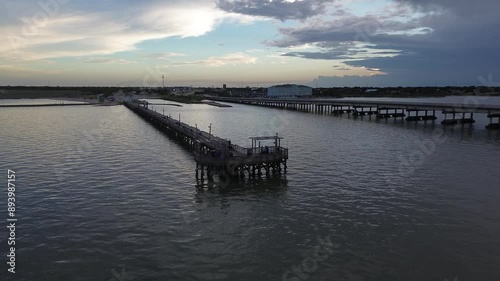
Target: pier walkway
{"points": [[215, 154], [413, 111]]}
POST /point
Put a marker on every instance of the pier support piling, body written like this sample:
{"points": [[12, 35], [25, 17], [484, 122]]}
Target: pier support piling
{"points": [[454, 120], [419, 117], [493, 125]]}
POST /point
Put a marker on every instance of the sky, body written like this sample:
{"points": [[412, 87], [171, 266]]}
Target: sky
{"points": [[320, 43]]}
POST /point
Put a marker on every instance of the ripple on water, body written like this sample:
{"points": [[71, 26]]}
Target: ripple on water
{"points": [[117, 193]]}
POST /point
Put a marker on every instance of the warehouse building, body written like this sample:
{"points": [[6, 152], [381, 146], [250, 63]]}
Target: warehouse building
{"points": [[289, 90]]}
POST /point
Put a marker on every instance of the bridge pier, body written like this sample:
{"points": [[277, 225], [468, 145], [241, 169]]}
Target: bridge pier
{"points": [[418, 117], [454, 120], [362, 112], [492, 125], [339, 109], [387, 112]]}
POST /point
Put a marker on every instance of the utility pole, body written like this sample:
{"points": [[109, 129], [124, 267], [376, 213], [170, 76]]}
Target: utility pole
{"points": [[163, 78]]}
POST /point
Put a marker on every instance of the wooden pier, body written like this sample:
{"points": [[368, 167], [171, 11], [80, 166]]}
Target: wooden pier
{"points": [[413, 111], [217, 155]]}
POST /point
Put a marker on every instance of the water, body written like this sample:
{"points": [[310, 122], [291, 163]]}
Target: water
{"points": [[101, 192]]}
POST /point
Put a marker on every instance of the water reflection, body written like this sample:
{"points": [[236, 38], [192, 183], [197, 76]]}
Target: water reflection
{"points": [[223, 185], [493, 135]]}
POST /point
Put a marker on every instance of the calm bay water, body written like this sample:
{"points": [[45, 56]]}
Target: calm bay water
{"points": [[100, 193]]}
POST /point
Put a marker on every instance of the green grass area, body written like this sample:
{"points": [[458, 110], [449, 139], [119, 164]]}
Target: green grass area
{"points": [[19, 92], [405, 92], [55, 92], [183, 99], [27, 93]]}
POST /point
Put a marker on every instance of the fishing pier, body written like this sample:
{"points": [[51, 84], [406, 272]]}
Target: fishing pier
{"points": [[217, 155], [413, 111]]}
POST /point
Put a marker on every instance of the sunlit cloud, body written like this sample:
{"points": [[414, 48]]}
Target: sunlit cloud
{"points": [[389, 41], [73, 34], [106, 60], [229, 59], [168, 56]]}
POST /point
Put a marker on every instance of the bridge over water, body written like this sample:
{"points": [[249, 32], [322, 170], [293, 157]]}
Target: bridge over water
{"points": [[413, 111]]}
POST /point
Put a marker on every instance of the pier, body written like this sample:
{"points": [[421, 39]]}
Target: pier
{"points": [[413, 111], [217, 155]]}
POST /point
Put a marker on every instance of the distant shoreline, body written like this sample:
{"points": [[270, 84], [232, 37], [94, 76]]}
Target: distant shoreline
{"points": [[89, 94]]}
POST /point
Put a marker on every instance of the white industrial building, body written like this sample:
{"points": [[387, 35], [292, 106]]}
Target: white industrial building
{"points": [[289, 90]]}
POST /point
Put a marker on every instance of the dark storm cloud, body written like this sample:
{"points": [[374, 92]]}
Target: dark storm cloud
{"points": [[319, 55], [460, 7], [454, 42], [278, 9], [426, 67], [341, 31]]}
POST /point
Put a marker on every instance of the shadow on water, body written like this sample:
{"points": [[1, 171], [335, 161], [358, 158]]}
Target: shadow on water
{"points": [[493, 135], [470, 133], [236, 186]]}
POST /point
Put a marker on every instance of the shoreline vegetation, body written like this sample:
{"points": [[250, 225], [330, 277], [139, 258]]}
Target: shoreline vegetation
{"points": [[197, 95], [189, 99]]}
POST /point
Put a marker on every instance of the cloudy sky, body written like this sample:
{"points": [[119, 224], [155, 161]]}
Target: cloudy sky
{"points": [[256, 43]]}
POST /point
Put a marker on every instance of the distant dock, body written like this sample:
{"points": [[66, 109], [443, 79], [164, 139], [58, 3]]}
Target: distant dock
{"points": [[214, 154]]}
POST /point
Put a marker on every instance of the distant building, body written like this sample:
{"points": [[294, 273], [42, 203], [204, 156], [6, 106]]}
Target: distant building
{"points": [[100, 97], [371, 90], [289, 90], [224, 86]]}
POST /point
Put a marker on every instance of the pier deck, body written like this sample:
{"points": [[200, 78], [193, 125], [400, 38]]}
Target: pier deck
{"points": [[217, 154]]}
